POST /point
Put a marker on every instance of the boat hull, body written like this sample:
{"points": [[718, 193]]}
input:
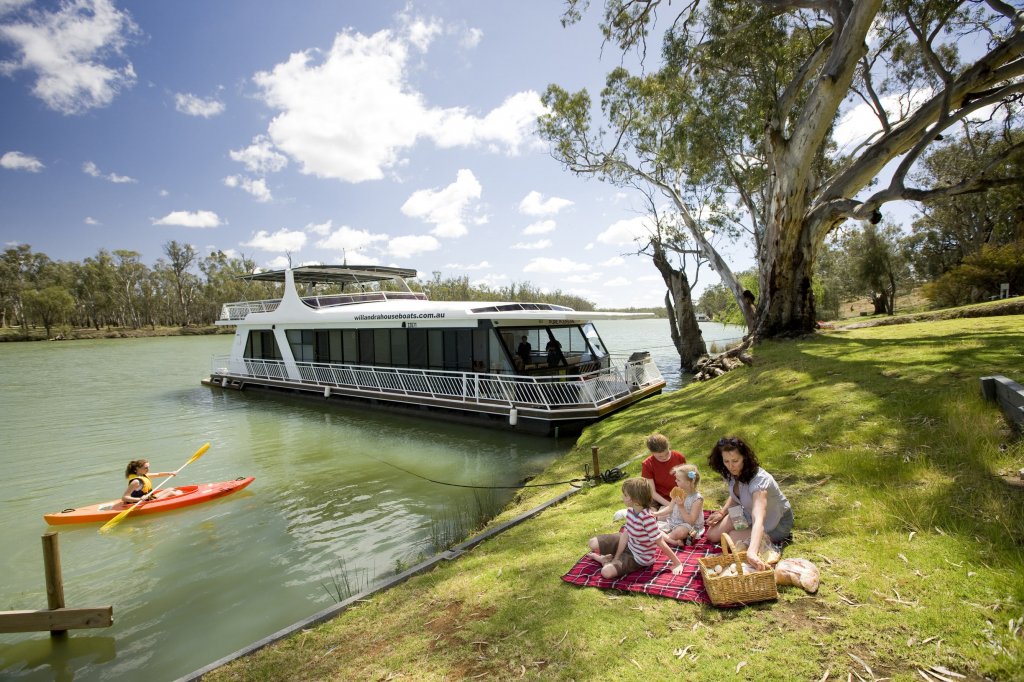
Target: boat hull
{"points": [[168, 499]]}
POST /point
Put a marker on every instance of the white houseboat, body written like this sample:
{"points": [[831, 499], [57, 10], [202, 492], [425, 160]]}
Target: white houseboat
{"points": [[396, 349]]}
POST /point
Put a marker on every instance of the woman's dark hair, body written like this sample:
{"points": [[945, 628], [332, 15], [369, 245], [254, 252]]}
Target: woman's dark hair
{"points": [[750, 463], [134, 466]]}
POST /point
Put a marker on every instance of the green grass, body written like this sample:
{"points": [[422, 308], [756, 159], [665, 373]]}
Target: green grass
{"points": [[893, 463]]}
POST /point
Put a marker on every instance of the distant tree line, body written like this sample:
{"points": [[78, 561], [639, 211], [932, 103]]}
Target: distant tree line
{"points": [[182, 289]]}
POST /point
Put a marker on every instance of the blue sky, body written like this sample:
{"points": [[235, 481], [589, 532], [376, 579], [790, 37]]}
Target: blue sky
{"points": [[385, 132]]}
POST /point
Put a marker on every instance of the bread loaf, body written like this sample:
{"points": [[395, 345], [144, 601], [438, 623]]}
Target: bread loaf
{"points": [[799, 572]]}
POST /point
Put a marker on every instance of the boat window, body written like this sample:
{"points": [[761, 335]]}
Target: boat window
{"points": [[334, 341], [365, 347], [381, 347], [399, 348], [301, 342], [496, 353], [435, 348], [262, 345], [350, 346], [417, 348], [590, 331]]}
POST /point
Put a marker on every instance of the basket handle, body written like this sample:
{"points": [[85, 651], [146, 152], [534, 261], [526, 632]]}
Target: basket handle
{"points": [[729, 547]]}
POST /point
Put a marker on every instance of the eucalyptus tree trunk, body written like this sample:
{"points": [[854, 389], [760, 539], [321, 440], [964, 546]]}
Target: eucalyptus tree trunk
{"points": [[682, 317]]}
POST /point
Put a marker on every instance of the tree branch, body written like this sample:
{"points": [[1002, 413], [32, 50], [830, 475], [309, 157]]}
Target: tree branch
{"points": [[1002, 64]]}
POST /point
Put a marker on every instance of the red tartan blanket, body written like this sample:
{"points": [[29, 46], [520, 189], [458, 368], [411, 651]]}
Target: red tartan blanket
{"points": [[657, 579]]}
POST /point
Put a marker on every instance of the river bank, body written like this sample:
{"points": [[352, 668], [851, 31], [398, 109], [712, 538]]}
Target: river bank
{"points": [[11, 334], [894, 466]]}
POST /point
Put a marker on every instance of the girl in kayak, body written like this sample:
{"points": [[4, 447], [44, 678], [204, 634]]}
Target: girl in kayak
{"points": [[139, 483]]}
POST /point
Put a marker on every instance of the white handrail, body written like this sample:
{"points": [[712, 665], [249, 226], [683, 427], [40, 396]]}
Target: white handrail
{"points": [[592, 389]]}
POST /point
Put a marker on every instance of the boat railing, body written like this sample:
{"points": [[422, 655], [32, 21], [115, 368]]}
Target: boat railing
{"points": [[238, 310], [591, 390]]}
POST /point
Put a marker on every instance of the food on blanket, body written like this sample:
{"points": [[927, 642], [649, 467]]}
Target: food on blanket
{"points": [[769, 553], [718, 570], [731, 570], [799, 572]]}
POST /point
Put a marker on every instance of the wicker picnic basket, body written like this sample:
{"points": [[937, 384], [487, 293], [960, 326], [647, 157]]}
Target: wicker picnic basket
{"points": [[735, 589]]}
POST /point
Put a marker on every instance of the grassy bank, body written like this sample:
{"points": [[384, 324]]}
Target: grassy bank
{"points": [[894, 466]]}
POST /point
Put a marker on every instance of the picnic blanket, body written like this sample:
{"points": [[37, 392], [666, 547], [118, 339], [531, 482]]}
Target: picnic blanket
{"points": [[657, 579]]}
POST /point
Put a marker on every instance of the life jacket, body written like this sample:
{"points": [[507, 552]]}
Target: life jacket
{"points": [[147, 485]]}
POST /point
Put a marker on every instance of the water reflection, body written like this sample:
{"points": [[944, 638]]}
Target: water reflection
{"points": [[56, 658]]}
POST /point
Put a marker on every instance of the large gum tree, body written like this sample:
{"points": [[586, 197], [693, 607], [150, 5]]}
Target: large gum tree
{"points": [[746, 97]]}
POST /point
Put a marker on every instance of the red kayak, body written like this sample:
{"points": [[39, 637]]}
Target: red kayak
{"points": [[166, 499]]}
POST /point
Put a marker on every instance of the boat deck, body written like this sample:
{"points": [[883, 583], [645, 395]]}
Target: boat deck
{"points": [[532, 403]]}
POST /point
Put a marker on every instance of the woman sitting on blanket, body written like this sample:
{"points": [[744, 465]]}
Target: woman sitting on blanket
{"points": [[755, 499], [635, 549]]}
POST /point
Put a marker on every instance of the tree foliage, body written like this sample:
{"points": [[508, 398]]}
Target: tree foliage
{"points": [[979, 277], [745, 102], [949, 230], [118, 290]]}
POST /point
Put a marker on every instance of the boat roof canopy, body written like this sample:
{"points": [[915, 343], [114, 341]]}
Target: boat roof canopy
{"points": [[334, 274]]}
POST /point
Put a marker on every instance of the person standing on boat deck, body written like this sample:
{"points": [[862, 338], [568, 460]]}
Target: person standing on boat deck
{"points": [[554, 351], [657, 469], [524, 351], [139, 483]]}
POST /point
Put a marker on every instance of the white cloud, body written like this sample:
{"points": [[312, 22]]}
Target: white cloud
{"points": [[471, 38], [482, 265], [67, 49], [256, 187], [282, 240], [91, 221], [279, 263], [614, 260], [90, 168], [187, 103], [421, 32], [582, 279], [321, 229], [19, 161], [200, 219], [411, 245], [629, 231], [507, 128], [535, 204], [260, 157], [445, 208], [350, 113], [540, 227], [539, 244], [347, 239], [617, 282], [555, 266], [490, 281]]}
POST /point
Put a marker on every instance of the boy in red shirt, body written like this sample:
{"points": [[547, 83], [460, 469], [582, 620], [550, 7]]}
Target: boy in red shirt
{"points": [[657, 469]]}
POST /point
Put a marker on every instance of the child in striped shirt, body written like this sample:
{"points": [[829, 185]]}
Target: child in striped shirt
{"points": [[622, 553]]}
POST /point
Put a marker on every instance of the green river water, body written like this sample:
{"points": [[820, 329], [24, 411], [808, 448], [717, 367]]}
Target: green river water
{"points": [[191, 586]]}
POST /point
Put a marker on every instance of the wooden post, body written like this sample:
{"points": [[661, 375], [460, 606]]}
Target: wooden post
{"points": [[597, 464], [54, 581], [58, 620]]}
